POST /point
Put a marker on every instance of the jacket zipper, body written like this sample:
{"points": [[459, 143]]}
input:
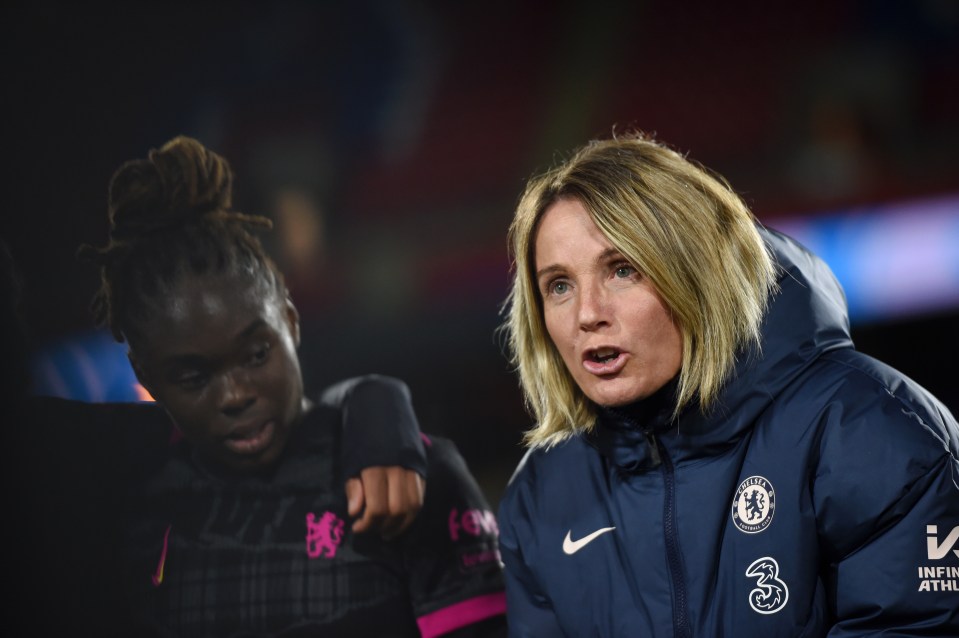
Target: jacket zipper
{"points": [[671, 535]]}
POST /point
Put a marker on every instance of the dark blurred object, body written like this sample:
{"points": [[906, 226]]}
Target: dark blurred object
{"points": [[15, 351], [62, 495]]}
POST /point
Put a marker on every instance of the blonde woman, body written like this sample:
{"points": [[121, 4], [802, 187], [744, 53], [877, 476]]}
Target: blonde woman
{"points": [[711, 455]]}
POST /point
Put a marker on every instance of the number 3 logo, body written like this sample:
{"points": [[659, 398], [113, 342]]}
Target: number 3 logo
{"points": [[770, 594]]}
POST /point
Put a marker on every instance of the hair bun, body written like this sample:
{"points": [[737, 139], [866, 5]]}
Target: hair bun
{"points": [[177, 184]]}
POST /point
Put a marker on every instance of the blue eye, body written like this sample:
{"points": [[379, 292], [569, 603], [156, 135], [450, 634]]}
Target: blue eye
{"points": [[558, 288], [625, 270]]}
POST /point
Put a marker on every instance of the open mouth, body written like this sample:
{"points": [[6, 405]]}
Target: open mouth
{"points": [[250, 441], [604, 361], [603, 355]]}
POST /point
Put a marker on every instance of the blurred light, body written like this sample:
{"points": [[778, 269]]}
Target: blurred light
{"points": [[893, 260], [88, 367], [142, 393]]}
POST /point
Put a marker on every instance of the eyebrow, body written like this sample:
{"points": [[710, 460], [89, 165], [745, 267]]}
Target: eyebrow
{"points": [[547, 270], [255, 325], [603, 256], [609, 253]]}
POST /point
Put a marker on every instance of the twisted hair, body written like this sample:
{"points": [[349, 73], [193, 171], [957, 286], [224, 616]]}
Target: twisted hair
{"points": [[170, 215]]}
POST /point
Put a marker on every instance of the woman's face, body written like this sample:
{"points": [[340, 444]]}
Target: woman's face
{"points": [[220, 356], [615, 334]]}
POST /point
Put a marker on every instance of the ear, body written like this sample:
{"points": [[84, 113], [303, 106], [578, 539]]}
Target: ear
{"points": [[293, 319]]}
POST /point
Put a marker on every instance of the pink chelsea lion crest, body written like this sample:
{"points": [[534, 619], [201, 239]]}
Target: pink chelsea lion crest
{"points": [[323, 536]]}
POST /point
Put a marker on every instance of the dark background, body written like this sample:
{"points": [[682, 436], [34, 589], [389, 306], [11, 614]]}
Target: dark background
{"points": [[389, 141]]}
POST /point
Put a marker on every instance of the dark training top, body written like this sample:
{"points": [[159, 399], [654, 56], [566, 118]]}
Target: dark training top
{"points": [[262, 555], [110, 524]]}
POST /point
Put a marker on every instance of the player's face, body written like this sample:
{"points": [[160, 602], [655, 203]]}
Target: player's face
{"points": [[220, 356], [612, 329]]}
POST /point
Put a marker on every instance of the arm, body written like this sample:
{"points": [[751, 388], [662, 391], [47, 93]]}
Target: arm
{"points": [[382, 452], [893, 583], [451, 553], [887, 501]]}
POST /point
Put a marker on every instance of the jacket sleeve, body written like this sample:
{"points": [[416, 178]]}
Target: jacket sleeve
{"points": [[529, 613], [887, 498], [379, 425]]}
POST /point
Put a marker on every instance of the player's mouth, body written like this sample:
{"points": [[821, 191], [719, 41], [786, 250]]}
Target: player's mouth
{"points": [[250, 440]]}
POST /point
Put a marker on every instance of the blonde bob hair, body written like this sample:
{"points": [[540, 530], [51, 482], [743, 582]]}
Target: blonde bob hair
{"points": [[681, 226]]}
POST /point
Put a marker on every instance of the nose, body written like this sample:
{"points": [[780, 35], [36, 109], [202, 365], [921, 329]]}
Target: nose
{"points": [[594, 310], [238, 393]]}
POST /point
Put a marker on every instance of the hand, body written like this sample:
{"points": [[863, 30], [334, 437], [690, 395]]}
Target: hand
{"points": [[389, 499]]}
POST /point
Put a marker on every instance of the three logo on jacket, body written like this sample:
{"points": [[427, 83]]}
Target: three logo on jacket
{"points": [[753, 508], [940, 577], [754, 505], [770, 594]]}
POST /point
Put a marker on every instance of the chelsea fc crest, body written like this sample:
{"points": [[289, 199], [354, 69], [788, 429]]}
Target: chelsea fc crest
{"points": [[754, 505]]}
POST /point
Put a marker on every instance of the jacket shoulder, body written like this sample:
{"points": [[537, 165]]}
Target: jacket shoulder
{"points": [[546, 476], [542, 462], [883, 442], [889, 405]]}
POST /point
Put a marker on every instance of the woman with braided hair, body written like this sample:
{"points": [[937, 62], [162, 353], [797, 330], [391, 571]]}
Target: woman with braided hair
{"points": [[239, 526]]}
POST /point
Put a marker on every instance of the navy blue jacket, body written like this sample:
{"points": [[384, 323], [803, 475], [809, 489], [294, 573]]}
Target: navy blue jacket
{"points": [[820, 497]]}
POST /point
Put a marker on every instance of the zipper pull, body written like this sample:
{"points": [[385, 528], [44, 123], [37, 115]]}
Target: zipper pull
{"points": [[653, 448]]}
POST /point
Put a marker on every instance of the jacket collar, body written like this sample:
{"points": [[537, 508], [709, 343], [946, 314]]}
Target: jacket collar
{"points": [[626, 434]]}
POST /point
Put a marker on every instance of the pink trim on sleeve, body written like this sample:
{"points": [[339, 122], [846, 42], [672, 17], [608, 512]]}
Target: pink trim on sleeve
{"points": [[426, 440], [461, 614], [158, 574]]}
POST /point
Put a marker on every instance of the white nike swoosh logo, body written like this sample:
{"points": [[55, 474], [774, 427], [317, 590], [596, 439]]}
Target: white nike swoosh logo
{"points": [[570, 546]]}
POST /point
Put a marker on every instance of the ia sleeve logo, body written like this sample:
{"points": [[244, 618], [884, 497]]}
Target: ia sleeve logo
{"points": [[936, 551], [943, 575], [770, 594]]}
